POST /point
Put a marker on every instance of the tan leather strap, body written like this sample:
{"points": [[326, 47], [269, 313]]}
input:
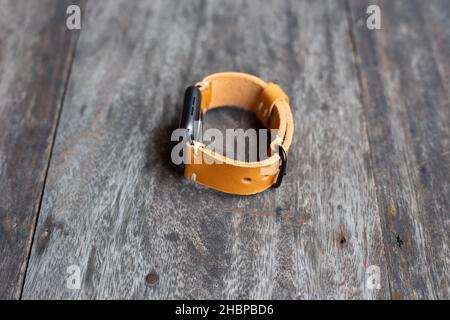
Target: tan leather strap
{"points": [[271, 106]]}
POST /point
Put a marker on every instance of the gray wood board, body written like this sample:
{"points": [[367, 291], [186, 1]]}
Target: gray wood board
{"points": [[405, 74], [114, 207], [36, 52]]}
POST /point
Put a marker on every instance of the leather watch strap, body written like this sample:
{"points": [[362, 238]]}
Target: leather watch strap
{"points": [[271, 106]]}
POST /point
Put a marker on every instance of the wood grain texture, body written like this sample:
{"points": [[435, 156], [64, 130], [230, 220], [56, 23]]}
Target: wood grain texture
{"points": [[35, 56], [114, 207], [405, 76]]}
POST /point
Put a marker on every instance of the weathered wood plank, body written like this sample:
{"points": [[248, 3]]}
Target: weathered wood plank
{"points": [[404, 75], [36, 52], [114, 207]]}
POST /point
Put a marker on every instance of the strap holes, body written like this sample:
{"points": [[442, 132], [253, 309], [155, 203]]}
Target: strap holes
{"points": [[247, 180]]}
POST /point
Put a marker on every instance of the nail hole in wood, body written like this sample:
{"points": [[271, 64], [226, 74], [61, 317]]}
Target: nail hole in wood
{"points": [[423, 170], [399, 241], [152, 278]]}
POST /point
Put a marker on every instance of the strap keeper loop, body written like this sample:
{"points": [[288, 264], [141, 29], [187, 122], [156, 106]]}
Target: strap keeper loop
{"points": [[271, 94]]}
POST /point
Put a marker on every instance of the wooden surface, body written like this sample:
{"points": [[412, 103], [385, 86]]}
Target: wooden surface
{"points": [[36, 54], [404, 83], [368, 178]]}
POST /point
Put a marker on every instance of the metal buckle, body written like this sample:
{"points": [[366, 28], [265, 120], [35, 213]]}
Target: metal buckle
{"points": [[282, 172]]}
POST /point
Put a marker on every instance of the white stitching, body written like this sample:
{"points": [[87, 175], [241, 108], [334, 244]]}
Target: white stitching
{"points": [[203, 84]]}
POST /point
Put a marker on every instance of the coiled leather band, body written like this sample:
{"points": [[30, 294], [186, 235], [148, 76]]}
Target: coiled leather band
{"points": [[271, 106]]}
